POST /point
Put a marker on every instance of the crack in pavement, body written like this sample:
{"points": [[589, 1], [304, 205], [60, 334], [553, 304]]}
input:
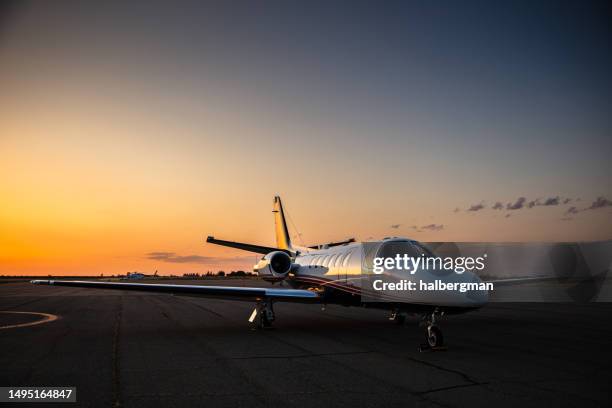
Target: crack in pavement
{"points": [[450, 387], [463, 375]]}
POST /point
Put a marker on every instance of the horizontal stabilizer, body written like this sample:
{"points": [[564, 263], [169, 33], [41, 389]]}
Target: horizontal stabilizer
{"points": [[246, 247], [333, 244]]}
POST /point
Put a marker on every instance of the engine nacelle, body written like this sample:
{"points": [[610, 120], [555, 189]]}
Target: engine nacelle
{"points": [[274, 266]]}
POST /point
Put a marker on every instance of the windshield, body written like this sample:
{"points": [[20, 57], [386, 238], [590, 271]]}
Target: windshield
{"points": [[424, 250], [393, 248]]}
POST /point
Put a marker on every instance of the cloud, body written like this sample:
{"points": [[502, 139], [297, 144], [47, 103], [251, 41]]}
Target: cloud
{"points": [[600, 202], [518, 204], [572, 210], [521, 202], [552, 201], [172, 257], [476, 207], [160, 255], [395, 226], [548, 202], [433, 227]]}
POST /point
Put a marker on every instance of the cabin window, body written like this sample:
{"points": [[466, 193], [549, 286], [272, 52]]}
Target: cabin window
{"points": [[325, 260], [346, 260], [340, 259], [332, 260]]}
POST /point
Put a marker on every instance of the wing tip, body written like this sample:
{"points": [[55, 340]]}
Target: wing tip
{"points": [[41, 282]]}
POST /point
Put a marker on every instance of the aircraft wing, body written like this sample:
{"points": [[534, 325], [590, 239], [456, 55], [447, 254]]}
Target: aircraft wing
{"points": [[225, 292]]}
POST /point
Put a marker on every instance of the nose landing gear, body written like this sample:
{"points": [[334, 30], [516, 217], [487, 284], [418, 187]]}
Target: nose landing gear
{"points": [[433, 334], [434, 337]]}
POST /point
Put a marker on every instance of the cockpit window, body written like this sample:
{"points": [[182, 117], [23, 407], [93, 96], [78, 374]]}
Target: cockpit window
{"points": [[425, 251]]}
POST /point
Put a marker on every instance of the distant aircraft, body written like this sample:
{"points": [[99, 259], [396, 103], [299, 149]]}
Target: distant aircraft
{"points": [[138, 276], [330, 273], [134, 276]]}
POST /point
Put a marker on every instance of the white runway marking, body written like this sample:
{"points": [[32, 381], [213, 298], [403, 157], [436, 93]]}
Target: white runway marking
{"points": [[46, 318]]}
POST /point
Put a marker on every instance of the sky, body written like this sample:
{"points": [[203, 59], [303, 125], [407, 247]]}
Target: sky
{"points": [[130, 132]]}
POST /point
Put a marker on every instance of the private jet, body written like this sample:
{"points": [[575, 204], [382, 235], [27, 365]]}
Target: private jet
{"points": [[331, 273]]}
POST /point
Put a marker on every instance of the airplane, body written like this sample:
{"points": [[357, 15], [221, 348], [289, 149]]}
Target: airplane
{"points": [[134, 276], [332, 273]]}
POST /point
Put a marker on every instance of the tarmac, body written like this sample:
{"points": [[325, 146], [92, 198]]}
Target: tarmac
{"points": [[140, 350]]}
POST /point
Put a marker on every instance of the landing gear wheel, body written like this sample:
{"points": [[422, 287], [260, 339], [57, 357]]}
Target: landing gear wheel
{"points": [[434, 337]]}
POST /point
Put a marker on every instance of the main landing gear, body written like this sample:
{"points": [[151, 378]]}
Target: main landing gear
{"points": [[263, 315], [433, 334]]}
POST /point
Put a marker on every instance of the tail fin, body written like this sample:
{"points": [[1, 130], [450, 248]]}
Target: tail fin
{"points": [[282, 233]]}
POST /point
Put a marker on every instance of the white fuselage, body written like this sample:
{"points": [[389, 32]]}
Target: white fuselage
{"points": [[347, 268]]}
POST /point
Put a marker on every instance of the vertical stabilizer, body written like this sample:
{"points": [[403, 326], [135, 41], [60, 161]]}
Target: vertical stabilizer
{"points": [[282, 233]]}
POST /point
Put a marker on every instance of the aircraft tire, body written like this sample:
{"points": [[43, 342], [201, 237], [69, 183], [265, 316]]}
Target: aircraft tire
{"points": [[434, 337]]}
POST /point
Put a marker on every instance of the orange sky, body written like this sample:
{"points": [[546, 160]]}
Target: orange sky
{"points": [[84, 192], [76, 205]]}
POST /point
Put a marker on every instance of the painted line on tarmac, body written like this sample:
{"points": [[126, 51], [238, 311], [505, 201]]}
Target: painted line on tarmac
{"points": [[46, 318]]}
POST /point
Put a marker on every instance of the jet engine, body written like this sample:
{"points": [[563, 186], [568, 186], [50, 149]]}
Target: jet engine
{"points": [[274, 266]]}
